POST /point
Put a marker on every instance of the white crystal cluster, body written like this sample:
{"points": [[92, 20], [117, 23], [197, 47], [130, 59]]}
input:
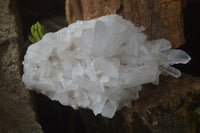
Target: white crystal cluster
{"points": [[98, 64]]}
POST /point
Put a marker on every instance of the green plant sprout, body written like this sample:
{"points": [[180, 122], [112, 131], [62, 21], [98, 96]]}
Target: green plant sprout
{"points": [[197, 110], [37, 32]]}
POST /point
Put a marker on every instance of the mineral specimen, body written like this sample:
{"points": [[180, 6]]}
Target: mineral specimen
{"points": [[98, 64]]}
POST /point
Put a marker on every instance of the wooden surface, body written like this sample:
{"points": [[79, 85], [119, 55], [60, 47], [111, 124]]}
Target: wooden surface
{"points": [[166, 108], [162, 18]]}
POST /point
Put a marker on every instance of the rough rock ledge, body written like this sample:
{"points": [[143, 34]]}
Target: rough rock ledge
{"points": [[16, 114]]}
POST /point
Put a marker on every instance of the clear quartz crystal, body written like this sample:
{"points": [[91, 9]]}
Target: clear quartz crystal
{"points": [[98, 64]]}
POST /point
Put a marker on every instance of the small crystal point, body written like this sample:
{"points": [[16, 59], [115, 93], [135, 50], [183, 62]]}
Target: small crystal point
{"points": [[175, 56]]}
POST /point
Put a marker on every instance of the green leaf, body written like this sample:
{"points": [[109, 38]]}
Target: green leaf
{"points": [[197, 110], [35, 26], [32, 29], [41, 34], [31, 39], [37, 36]]}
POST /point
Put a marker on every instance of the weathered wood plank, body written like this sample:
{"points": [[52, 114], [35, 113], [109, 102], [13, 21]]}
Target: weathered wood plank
{"points": [[161, 18]]}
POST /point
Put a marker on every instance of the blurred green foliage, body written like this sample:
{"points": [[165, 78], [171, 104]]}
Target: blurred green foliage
{"points": [[37, 32]]}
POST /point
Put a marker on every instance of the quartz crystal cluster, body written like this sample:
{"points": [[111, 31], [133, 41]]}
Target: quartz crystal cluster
{"points": [[98, 64]]}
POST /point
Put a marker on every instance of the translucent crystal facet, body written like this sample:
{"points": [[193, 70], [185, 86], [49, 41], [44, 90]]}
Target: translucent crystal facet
{"points": [[98, 64]]}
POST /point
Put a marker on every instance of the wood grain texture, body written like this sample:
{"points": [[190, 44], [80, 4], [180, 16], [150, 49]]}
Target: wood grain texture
{"points": [[166, 108], [161, 18]]}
